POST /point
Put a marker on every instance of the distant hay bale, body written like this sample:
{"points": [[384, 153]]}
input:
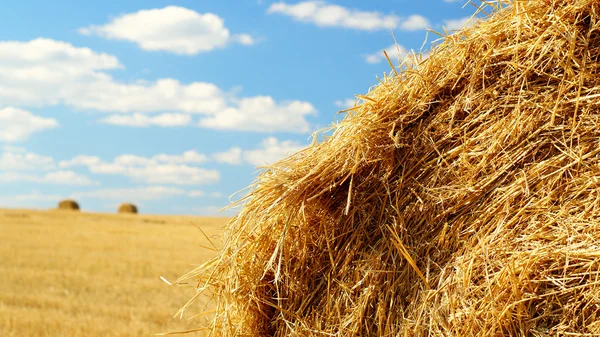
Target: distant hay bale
{"points": [[127, 208], [68, 204], [461, 197]]}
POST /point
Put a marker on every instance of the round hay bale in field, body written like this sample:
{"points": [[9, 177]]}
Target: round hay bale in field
{"points": [[460, 197], [127, 208], [68, 204]]}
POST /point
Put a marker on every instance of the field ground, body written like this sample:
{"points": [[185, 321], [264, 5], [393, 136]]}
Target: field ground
{"points": [[67, 273]]}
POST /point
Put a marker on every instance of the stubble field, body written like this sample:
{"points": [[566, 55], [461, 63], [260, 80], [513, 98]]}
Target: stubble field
{"points": [[87, 274]]}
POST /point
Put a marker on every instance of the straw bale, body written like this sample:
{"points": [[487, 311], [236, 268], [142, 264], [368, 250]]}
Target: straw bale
{"points": [[68, 204], [460, 197], [127, 208]]}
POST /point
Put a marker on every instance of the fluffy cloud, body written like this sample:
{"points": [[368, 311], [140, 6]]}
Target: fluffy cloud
{"points": [[395, 52], [68, 178], [414, 22], [18, 165], [173, 29], [142, 120], [11, 160], [232, 156], [345, 103], [18, 125], [270, 151], [244, 39], [323, 14], [195, 194], [188, 157], [81, 161], [56, 177], [46, 59], [105, 94], [457, 24], [29, 199], [262, 113], [136, 194], [172, 174], [159, 169], [46, 72]]}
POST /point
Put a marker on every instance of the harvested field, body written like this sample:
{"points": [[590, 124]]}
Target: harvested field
{"points": [[89, 274]]}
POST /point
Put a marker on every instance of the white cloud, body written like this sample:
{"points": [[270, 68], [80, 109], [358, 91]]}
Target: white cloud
{"points": [[195, 194], [172, 174], [12, 148], [456, 24], [395, 52], [133, 160], [263, 113], [44, 59], [18, 125], [134, 194], [244, 39], [345, 103], [138, 194], [34, 198], [68, 178], [11, 177], [232, 156], [167, 169], [17, 165], [414, 22], [270, 151], [57, 178], [45, 72], [104, 94], [188, 157], [174, 29], [81, 161], [323, 14], [159, 169], [24, 161], [142, 120]]}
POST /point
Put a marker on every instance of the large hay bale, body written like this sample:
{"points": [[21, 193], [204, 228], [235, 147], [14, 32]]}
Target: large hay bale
{"points": [[68, 204], [127, 208], [460, 198]]}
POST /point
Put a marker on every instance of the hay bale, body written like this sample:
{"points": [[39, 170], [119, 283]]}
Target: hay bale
{"points": [[68, 204], [127, 208], [460, 198]]}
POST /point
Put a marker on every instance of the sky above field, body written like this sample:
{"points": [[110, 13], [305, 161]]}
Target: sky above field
{"points": [[172, 105]]}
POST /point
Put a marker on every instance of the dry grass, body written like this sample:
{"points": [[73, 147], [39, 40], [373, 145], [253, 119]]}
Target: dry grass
{"points": [[84, 274], [461, 197]]}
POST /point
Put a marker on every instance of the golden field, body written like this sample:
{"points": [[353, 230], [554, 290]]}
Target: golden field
{"points": [[65, 273]]}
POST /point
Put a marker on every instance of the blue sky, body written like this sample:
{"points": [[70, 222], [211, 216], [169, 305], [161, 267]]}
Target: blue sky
{"points": [[173, 104]]}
